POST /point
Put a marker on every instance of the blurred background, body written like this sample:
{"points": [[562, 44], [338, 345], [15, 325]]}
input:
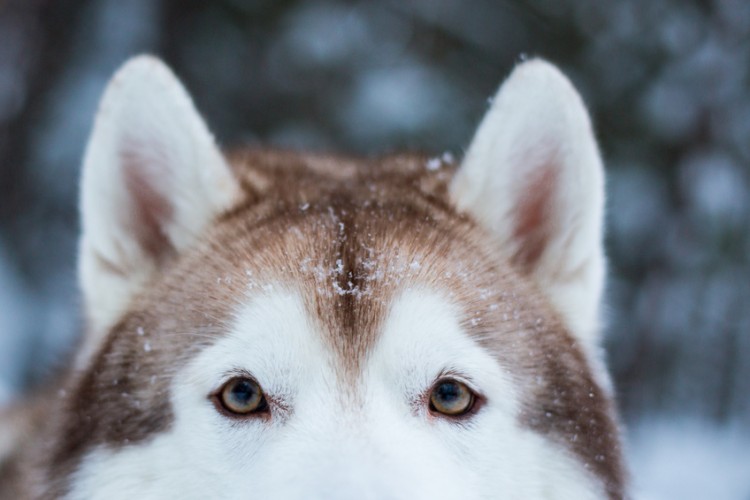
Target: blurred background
{"points": [[667, 82]]}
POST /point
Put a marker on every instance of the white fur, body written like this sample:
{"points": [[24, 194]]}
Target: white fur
{"points": [[340, 438], [145, 119], [537, 120]]}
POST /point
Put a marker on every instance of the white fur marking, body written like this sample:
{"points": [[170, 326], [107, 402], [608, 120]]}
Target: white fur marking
{"points": [[326, 446]]}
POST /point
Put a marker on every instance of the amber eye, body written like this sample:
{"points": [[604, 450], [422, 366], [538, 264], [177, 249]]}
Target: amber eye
{"points": [[451, 398], [242, 396]]}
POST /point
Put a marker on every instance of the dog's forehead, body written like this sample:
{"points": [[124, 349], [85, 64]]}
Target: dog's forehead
{"points": [[350, 235], [349, 259]]}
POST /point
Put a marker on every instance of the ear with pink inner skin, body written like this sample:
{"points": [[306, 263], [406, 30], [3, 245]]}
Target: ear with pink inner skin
{"points": [[152, 180], [533, 177]]}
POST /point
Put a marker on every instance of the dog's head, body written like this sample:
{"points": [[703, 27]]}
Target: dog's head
{"points": [[276, 325]]}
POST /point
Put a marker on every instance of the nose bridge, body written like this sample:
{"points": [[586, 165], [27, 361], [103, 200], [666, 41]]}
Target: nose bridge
{"points": [[359, 444], [358, 453], [348, 436], [333, 453]]}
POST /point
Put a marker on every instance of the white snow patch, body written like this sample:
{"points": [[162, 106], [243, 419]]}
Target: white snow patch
{"points": [[433, 164], [351, 289], [437, 162]]}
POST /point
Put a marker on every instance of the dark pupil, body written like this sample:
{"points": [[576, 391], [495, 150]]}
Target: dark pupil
{"points": [[448, 392], [243, 392]]}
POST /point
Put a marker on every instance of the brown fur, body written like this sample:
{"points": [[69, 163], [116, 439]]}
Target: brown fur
{"points": [[533, 217], [153, 209], [349, 234]]}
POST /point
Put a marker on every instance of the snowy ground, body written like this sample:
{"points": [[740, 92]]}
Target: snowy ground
{"points": [[689, 460]]}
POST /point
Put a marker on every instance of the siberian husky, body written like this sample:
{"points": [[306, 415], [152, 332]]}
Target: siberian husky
{"points": [[270, 324]]}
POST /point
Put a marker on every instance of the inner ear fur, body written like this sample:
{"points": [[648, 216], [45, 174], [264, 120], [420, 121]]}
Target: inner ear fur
{"points": [[152, 180], [533, 176]]}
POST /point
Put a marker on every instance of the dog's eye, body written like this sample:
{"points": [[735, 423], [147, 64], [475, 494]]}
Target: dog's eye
{"points": [[451, 398], [242, 396]]}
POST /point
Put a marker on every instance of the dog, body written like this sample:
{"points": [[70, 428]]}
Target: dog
{"points": [[272, 324]]}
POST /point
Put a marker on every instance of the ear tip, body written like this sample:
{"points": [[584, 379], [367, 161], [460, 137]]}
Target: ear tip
{"points": [[540, 72], [142, 66], [142, 78], [538, 88], [141, 89], [537, 64]]}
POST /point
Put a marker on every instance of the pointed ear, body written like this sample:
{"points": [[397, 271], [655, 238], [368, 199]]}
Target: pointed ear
{"points": [[152, 180], [533, 176]]}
